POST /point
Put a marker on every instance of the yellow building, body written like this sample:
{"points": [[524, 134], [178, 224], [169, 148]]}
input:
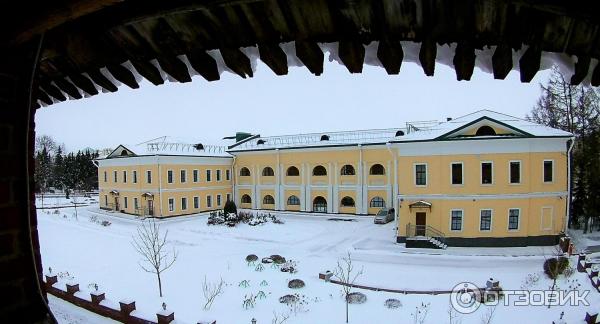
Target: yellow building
{"points": [[160, 178], [484, 179]]}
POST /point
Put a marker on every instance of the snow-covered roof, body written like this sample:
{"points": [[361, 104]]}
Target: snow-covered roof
{"points": [[452, 129], [169, 146]]}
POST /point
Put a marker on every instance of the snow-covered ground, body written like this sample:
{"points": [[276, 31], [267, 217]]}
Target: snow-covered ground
{"points": [[92, 253]]}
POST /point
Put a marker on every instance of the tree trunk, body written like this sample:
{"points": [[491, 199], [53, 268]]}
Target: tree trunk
{"points": [[346, 308], [159, 284]]}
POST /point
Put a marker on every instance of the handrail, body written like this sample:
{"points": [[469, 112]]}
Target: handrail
{"points": [[426, 231]]}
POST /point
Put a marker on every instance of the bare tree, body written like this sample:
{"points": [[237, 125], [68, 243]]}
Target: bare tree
{"points": [[453, 315], [150, 244], [279, 320], [346, 274], [211, 290], [488, 316]]}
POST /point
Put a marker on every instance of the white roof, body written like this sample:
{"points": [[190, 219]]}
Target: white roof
{"points": [[171, 146]]}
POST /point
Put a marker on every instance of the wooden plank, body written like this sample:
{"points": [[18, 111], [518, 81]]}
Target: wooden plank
{"points": [[204, 64], [581, 69], [237, 61], [502, 61], [68, 88], [102, 81], [123, 75], [464, 61], [148, 71], [596, 76], [274, 57], [43, 96], [311, 55], [529, 64], [53, 91], [175, 68], [390, 54], [83, 83], [427, 56], [352, 54]]}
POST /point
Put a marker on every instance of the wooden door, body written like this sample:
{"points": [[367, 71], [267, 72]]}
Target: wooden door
{"points": [[421, 223]]}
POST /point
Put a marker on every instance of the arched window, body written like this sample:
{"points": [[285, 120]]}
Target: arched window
{"points": [[293, 171], [347, 170], [244, 172], [324, 137], [319, 170], [268, 172], [485, 130], [293, 200], [268, 200], [319, 205], [377, 202], [124, 153], [347, 202], [399, 133], [260, 142], [246, 199], [377, 169]]}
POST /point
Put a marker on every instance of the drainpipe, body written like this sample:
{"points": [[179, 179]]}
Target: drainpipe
{"points": [[233, 174], [160, 200], [569, 183], [395, 182]]}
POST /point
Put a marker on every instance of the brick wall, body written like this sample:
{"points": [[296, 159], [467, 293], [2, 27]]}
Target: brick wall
{"points": [[20, 280]]}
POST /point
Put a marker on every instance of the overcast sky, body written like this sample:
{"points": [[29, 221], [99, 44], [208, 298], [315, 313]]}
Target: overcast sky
{"points": [[267, 104]]}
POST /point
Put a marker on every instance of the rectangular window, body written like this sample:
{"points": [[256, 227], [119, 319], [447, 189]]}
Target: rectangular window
{"points": [[515, 172], [149, 176], [105, 200], [227, 174], [487, 173], [485, 220], [228, 197], [548, 171], [457, 173], [219, 200], [124, 176], [170, 176], [421, 174], [513, 219], [456, 221], [183, 176], [196, 202], [105, 177], [134, 176], [208, 201], [135, 203], [171, 204], [218, 175], [195, 175], [115, 175], [208, 175], [125, 202], [183, 203]]}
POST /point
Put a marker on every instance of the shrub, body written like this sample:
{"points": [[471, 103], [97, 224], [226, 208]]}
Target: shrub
{"points": [[393, 303], [251, 258], [230, 207], [296, 283], [277, 258], [288, 299], [554, 267], [356, 298]]}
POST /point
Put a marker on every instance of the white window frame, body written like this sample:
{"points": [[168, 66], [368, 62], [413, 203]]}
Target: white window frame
{"points": [[134, 175], [124, 176], [415, 174], [171, 180], [116, 176], [186, 203], [171, 204], [462, 167], [462, 220], [543, 163], [184, 171], [227, 174], [149, 172], [508, 220], [196, 201], [520, 173], [219, 200], [551, 218], [209, 175], [491, 219], [195, 175], [209, 201], [481, 173]]}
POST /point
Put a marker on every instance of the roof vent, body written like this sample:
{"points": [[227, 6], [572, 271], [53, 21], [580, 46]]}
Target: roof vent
{"points": [[260, 142], [199, 147], [324, 137], [448, 119], [399, 133]]}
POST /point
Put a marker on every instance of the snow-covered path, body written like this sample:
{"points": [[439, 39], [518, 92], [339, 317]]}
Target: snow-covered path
{"points": [[92, 253]]}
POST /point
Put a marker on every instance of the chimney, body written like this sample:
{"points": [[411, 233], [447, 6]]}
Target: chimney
{"points": [[448, 119]]}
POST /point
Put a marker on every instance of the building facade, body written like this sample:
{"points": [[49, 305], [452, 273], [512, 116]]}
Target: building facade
{"points": [[484, 179]]}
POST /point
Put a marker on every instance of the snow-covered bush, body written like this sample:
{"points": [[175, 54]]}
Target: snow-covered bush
{"points": [[251, 258], [554, 267], [277, 259], [232, 219], [290, 266], [296, 284], [288, 299], [356, 298], [392, 303]]}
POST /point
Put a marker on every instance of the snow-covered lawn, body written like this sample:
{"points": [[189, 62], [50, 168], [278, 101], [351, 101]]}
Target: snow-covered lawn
{"points": [[92, 253]]}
